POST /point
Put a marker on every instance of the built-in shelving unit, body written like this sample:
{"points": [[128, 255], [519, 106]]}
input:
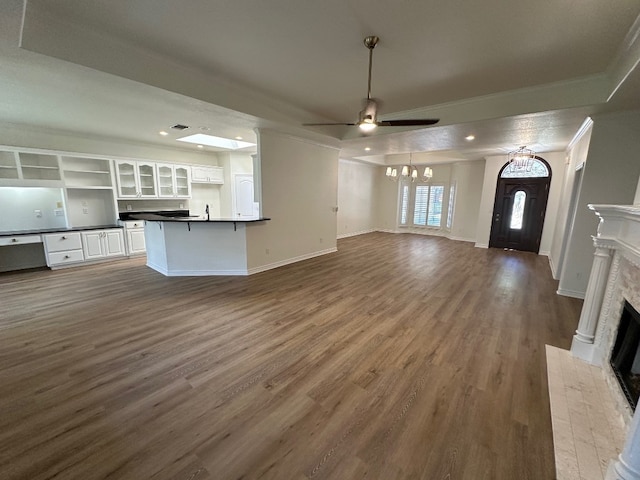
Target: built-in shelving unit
{"points": [[39, 166], [9, 165], [82, 172]]}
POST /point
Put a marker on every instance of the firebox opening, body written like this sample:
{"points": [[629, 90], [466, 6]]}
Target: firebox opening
{"points": [[625, 358]]}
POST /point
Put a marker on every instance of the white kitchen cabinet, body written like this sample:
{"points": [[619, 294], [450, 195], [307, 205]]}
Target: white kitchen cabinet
{"points": [[31, 169], [173, 181], [63, 248], [136, 179], [19, 240], [98, 244], [134, 235], [202, 174]]}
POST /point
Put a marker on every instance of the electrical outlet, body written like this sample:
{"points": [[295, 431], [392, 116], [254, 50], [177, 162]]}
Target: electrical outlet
{"points": [[58, 212], [266, 250], [129, 207], [181, 205], [85, 211], [38, 213]]}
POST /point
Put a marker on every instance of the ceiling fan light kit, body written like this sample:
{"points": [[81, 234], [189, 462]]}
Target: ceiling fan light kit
{"points": [[368, 117]]}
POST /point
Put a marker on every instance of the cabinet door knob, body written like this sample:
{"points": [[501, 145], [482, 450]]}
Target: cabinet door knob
{"points": [[66, 256], [14, 240], [63, 237]]}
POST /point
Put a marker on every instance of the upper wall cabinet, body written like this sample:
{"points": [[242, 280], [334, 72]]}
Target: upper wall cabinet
{"points": [[136, 179], [173, 181], [86, 173], [29, 169], [200, 174]]}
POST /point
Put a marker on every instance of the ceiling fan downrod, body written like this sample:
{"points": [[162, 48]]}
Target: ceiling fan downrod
{"points": [[370, 42]]}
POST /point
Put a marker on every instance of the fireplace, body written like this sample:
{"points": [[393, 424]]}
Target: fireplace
{"points": [[625, 357]]}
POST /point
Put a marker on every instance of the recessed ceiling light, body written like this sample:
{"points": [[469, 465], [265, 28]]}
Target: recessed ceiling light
{"points": [[210, 140], [204, 129], [163, 133], [367, 149], [238, 138], [200, 146], [470, 137]]}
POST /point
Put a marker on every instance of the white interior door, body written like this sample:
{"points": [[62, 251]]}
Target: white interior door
{"points": [[243, 204]]}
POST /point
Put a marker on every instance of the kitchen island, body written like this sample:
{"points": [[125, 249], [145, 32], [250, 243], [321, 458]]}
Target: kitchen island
{"points": [[195, 246]]}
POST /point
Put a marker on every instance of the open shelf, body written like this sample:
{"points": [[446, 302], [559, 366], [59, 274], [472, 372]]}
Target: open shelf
{"points": [[86, 172]]}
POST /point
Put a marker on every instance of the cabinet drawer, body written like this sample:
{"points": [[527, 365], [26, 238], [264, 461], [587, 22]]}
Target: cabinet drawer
{"points": [[58, 242], [69, 256], [20, 239], [129, 224]]}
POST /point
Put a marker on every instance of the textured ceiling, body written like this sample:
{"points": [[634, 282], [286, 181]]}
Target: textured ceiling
{"points": [[510, 73]]}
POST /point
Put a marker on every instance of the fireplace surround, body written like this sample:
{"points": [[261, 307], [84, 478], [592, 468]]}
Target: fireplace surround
{"points": [[613, 283], [625, 356]]}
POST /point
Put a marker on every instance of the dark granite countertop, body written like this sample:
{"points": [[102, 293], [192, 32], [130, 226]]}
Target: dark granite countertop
{"points": [[194, 219], [56, 230]]}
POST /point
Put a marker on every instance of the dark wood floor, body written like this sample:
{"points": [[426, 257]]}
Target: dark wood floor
{"points": [[399, 357]]}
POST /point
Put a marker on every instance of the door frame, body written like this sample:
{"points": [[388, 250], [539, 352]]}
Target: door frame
{"points": [[543, 208]]}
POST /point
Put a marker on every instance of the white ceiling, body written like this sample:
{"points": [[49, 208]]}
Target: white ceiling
{"points": [[511, 73]]}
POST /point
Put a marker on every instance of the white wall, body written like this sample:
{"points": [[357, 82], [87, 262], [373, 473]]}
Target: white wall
{"points": [[387, 192], [610, 176], [203, 194], [493, 165], [577, 155], [356, 197], [467, 177], [19, 205], [299, 194]]}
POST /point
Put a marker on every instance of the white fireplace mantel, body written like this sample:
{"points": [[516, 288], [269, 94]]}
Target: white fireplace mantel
{"points": [[619, 228]]}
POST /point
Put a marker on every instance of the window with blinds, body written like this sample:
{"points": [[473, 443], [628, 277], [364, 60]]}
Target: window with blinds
{"points": [[423, 204], [452, 199], [434, 211], [404, 205], [420, 205]]}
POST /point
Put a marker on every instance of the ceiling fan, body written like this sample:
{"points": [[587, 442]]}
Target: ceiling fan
{"points": [[368, 117]]}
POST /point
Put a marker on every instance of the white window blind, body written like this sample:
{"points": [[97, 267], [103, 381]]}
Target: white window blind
{"points": [[452, 199], [420, 205], [404, 206], [434, 217]]}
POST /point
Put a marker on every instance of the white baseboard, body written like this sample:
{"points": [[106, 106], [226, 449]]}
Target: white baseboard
{"points": [[482, 245], [552, 266], [546, 253], [281, 263], [462, 239], [195, 273], [353, 234], [570, 293]]}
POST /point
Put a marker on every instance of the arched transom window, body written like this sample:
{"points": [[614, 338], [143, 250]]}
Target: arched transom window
{"points": [[533, 168]]}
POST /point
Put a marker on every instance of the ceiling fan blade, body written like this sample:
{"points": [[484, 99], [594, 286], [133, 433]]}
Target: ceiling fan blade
{"points": [[407, 123], [321, 124]]}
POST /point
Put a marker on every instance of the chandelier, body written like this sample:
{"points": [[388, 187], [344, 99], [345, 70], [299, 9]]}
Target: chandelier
{"points": [[521, 160], [409, 172]]}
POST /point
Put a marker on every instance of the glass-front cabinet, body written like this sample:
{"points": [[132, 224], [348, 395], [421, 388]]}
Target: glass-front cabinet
{"points": [[136, 179], [147, 177], [173, 181]]}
